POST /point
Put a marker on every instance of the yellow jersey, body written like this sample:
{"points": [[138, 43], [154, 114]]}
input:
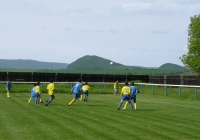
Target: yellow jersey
{"points": [[37, 89], [50, 88], [116, 85], [126, 90], [85, 87]]}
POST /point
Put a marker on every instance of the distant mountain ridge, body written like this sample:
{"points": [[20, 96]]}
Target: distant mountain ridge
{"points": [[85, 63], [170, 66], [30, 64], [92, 62]]}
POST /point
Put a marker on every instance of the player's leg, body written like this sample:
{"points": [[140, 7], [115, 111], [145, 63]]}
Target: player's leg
{"points": [[125, 105], [121, 102], [76, 96], [29, 100], [87, 95], [8, 92], [131, 105], [115, 91], [134, 100], [52, 97], [37, 101], [81, 96], [41, 99]]}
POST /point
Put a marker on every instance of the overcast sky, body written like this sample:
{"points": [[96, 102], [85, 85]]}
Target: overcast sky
{"points": [[131, 32]]}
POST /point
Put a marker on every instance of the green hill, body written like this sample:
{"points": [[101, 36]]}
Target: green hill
{"points": [[170, 66], [30, 64], [94, 63]]}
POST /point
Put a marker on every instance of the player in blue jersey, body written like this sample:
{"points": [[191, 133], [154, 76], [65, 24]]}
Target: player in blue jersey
{"points": [[77, 90], [8, 87], [33, 94], [134, 91], [126, 94]]}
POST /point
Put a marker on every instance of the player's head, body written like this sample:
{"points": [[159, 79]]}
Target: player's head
{"points": [[8, 79], [38, 83], [51, 80], [126, 83], [86, 83], [34, 84], [132, 83], [116, 81], [79, 80]]}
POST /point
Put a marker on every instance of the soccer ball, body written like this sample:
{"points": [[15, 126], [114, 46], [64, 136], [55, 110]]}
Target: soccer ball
{"points": [[111, 63]]}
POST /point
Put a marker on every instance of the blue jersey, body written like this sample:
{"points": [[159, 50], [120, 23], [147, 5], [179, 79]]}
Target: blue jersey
{"points": [[33, 94], [134, 90], [8, 85], [77, 88]]}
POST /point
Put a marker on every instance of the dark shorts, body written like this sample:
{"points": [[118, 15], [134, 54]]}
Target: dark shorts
{"points": [[126, 97], [76, 95], [133, 98], [37, 95], [85, 92], [52, 96]]}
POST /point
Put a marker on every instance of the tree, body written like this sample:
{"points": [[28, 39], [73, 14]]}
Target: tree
{"points": [[191, 60]]}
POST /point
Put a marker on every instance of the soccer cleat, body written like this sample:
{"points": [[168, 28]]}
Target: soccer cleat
{"points": [[118, 108], [41, 102], [8, 96], [45, 105], [124, 108]]}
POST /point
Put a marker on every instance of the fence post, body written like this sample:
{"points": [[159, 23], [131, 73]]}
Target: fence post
{"points": [[165, 90], [141, 88], [152, 89], [180, 91], [101, 88], [195, 93]]}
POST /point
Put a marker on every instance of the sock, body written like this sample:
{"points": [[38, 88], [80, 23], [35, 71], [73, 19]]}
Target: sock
{"points": [[131, 105], [125, 105], [120, 104], [70, 103], [81, 97], [48, 102], [37, 102], [135, 106], [29, 100], [40, 100], [8, 94]]}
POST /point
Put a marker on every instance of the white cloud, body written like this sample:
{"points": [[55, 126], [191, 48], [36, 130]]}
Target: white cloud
{"points": [[137, 6]]}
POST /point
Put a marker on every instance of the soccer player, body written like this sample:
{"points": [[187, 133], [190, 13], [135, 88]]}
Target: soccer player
{"points": [[85, 89], [116, 86], [8, 87], [37, 91], [33, 94], [50, 88], [125, 93], [77, 90], [134, 91]]}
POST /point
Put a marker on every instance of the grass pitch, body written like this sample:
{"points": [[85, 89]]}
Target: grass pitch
{"points": [[157, 118]]}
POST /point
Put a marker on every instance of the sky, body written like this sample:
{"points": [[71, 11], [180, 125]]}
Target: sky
{"points": [[145, 33]]}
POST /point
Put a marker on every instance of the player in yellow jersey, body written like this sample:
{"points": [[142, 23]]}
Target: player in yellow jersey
{"points": [[85, 89], [126, 94], [116, 87], [50, 88], [134, 92], [37, 92]]}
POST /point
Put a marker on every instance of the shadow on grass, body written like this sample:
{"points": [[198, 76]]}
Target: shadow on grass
{"points": [[146, 110]]}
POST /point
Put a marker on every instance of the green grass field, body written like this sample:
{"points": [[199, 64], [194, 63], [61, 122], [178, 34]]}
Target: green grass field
{"points": [[157, 118]]}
